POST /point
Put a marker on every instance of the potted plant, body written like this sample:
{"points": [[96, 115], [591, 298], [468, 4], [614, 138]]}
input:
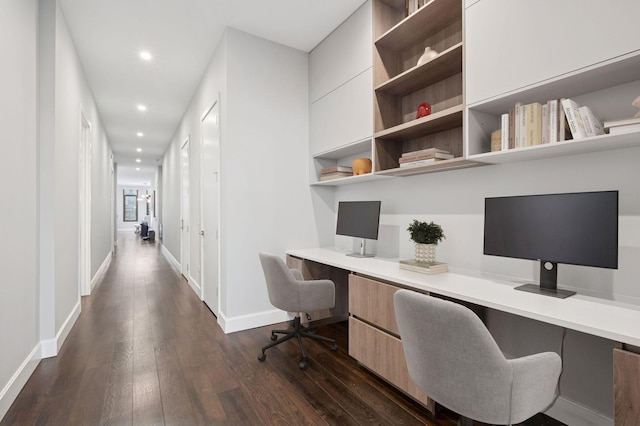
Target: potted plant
{"points": [[426, 236]]}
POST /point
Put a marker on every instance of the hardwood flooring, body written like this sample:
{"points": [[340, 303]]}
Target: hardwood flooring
{"points": [[145, 351]]}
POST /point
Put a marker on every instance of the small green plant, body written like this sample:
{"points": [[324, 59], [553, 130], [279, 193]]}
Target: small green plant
{"points": [[426, 233]]}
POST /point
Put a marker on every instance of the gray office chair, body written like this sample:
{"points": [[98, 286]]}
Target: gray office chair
{"points": [[452, 357], [290, 292]]}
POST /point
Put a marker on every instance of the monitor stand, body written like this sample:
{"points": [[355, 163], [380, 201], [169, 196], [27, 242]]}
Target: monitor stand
{"points": [[548, 282], [363, 250]]}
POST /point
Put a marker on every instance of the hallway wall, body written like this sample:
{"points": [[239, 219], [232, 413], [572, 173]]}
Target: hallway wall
{"points": [[267, 204], [18, 189]]}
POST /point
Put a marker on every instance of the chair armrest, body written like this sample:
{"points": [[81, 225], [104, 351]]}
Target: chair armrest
{"points": [[296, 274], [315, 295], [535, 378]]}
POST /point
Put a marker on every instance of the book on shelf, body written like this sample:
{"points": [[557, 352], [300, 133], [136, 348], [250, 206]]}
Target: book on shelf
{"points": [[533, 125], [424, 268], [424, 151], [335, 175], [512, 123], [420, 162], [438, 155], [333, 169], [504, 134], [516, 124], [552, 106], [592, 124], [617, 123], [576, 125], [545, 123], [563, 130], [496, 140], [627, 128]]}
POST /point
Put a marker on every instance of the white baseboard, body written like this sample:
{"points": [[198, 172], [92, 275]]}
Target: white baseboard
{"points": [[245, 322], [571, 413], [101, 270], [170, 258], [51, 347], [195, 286], [10, 391]]}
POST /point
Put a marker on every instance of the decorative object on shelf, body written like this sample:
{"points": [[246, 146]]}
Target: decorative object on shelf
{"points": [[424, 109], [636, 103], [361, 166], [428, 55], [426, 236]]}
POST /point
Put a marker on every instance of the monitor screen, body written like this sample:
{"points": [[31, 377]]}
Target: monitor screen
{"points": [[358, 219], [574, 228]]}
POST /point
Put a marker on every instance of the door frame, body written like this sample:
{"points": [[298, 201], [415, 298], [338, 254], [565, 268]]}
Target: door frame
{"points": [[84, 205], [204, 115], [184, 262]]}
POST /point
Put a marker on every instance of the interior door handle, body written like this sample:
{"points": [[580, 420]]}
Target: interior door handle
{"points": [[202, 233]]}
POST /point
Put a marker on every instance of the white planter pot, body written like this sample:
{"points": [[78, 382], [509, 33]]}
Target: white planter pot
{"points": [[426, 253]]}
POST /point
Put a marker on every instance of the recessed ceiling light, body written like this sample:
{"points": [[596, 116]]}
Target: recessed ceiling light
{"points": [[138, 160], [138, 168], [142, 107], [146, 56], [139, 149], [139, 134]]}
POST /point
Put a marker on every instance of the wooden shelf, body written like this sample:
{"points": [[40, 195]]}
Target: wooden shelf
{"points": [[439, 166], [437, 122], [351, 180], [444, 65], [570, 147], [428, 20]]}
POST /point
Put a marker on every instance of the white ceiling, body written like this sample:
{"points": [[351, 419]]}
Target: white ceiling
{"points": [[182, 36]]}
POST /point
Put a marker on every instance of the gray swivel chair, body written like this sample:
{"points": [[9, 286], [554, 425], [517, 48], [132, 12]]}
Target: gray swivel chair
{"points": [[452, 357], [290, 292]]}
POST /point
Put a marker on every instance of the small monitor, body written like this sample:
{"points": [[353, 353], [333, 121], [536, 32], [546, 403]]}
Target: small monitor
{"points": [[359, 219], [573, 228]]}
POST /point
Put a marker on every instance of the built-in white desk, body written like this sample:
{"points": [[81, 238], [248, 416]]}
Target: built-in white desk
{"points": [[616, 321]]}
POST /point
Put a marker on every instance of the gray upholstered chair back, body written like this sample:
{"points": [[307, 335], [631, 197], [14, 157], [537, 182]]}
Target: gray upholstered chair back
{"points": [[452, 357], [291, 293]]}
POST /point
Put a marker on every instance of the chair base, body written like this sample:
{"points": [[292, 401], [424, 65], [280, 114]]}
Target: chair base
{"points": [[298, 332]]}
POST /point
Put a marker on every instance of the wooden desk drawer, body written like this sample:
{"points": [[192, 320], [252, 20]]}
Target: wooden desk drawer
{"points": [[372, 301], [382, 353]]}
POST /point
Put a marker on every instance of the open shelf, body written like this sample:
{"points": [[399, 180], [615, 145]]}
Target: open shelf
{"points": [[447, 119], [351, 180], [428, 20], [439, 166], [570, 147], [444, 65]]}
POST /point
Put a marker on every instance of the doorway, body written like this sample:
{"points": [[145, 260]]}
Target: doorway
{"points": [[84, 246], [184, 210], [210, 205]]}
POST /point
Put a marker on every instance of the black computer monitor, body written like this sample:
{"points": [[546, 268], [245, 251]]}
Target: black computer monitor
{"points": [[573, 228], [359, 219]]}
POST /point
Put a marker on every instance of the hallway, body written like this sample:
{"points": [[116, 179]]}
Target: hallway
{"points": [[146, 350]]}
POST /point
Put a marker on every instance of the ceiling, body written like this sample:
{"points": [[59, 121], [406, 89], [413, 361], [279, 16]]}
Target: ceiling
{"points": [[181, 37]]}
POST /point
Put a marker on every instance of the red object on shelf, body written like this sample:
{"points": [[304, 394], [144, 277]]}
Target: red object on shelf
{"points": [[424, 109]]}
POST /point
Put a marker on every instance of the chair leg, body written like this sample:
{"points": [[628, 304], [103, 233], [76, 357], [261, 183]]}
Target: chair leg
{"points": [[464, 421]]}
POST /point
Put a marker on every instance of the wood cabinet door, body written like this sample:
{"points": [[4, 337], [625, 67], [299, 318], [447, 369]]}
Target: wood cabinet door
{"points": [[626, 387], [372, 301]]}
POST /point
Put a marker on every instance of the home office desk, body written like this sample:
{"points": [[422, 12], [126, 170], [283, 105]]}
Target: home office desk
{"points": [[372, 282]]}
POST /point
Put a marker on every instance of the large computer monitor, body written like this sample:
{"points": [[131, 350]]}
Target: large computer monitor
{"points": [[573, 228], [359, 219]]}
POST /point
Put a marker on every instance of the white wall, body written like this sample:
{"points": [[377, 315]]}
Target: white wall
{"points": [[18, 189], [266, 203]]}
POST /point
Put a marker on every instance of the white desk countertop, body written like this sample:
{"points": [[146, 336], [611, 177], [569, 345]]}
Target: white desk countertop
{"points": [[609, 319]]}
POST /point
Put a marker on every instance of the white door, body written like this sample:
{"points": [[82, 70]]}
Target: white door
{"points": [[184, 211], [85, 207], [210, 203]]}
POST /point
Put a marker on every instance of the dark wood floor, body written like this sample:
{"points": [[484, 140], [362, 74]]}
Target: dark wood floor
{"points": [[147, 351]]}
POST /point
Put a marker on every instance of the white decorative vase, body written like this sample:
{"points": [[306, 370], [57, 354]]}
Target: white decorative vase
{"points": [[427, 55], [426, 253]]}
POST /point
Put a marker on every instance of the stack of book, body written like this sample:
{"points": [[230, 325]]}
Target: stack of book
{"points": [[619, 127], [335, 172], [424, 268], [424, 156], [555, 121]]}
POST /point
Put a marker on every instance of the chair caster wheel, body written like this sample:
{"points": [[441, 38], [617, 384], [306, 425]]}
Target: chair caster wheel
{"points": [[334, 348], [274, 337], [303, 364], [262, 356]]}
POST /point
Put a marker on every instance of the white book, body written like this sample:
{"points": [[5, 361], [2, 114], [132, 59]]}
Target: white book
{"points": [[424, 151], [545, 123], [592, 124], [623, 122], [576, 125], [553, 120], [419, 162], [505, 132], [629, 128]]}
